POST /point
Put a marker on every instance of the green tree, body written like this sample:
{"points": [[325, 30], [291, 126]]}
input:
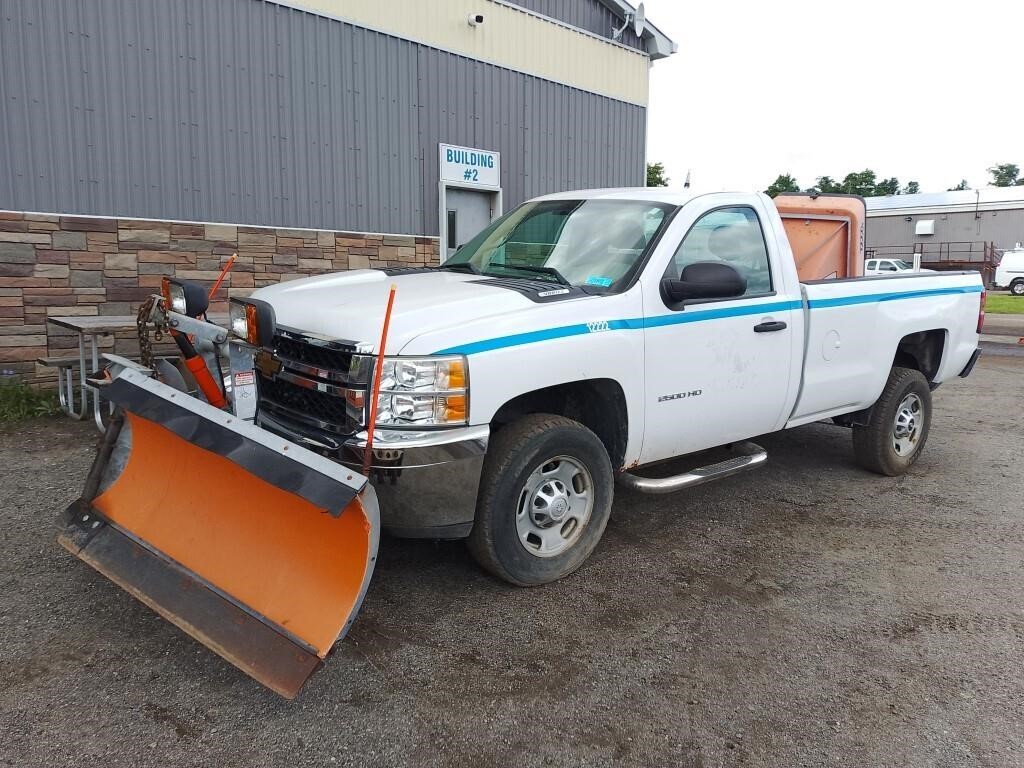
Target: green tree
{"points": [[1006, 175], [656, 175], [859, 183], [890, 186], [912, 188], [784, 183], [960, 187], [826, 184]]}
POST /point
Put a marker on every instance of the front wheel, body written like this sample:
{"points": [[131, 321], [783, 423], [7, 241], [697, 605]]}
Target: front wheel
{"points": [[896, 433], [544, 501], [1017, 289]]}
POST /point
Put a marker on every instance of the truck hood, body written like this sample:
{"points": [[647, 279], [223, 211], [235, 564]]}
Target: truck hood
{"points": [[350, 305]]}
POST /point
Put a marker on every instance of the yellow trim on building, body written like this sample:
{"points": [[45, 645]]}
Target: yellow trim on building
{"points": [[509, 37]]}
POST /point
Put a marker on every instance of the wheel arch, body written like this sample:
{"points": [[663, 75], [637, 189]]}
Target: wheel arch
{"points": [[922, 351], [598, 404]]}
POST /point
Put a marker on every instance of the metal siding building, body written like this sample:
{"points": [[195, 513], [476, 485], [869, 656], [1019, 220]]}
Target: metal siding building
{"points": [[594, 17], [256, 112], [1004, 228], [968, 229]]}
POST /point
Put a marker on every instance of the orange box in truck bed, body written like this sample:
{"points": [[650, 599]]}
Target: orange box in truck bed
{"points": [[826, 234]]}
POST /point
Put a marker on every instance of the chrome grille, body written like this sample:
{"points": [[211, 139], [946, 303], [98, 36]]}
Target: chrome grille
{"points": [[298, 404], [335, 357], [310, 389]]}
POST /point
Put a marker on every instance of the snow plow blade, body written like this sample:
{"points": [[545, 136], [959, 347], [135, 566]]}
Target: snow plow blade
{"points": [[256, 547]]}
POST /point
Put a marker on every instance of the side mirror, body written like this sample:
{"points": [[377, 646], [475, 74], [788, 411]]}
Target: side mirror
{"points": [[704, 280]]}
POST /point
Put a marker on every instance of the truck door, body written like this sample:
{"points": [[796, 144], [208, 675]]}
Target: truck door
{"points": [[720, 370]]}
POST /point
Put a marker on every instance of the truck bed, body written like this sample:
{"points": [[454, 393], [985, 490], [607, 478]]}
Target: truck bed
{"points": [[853, 327]]}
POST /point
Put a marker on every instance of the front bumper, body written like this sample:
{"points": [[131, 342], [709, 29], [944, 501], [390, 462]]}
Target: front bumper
{"points": [[426, 482]]}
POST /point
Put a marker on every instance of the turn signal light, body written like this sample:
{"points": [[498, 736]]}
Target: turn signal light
{"points": [[251, 334], [252, 320], [455, 408], [456, 375]]}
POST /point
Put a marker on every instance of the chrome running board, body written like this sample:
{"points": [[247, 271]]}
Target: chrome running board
{"points": [[750, 456]]}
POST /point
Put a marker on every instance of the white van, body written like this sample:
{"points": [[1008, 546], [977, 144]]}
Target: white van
{"points": [[1010, 272]]}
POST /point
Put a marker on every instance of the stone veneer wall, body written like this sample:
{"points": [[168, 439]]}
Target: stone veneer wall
{"points": [[67, 265]]}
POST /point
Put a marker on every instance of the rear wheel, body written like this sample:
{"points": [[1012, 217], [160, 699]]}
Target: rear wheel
{"points": [[544, 501], [1017, 288], [898, 428]]}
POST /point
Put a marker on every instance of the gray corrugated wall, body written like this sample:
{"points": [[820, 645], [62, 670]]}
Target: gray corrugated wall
{"points": [[248, 112], [591, 15], [1004, 228]]}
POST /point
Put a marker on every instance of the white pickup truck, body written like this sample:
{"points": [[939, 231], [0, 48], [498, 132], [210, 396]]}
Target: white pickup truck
{"points": [[584, 336], [888, 266], [575, 342]]}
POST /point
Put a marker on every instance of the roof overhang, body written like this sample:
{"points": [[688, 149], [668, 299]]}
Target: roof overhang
{"points": [[657, 43], [952, 201]]}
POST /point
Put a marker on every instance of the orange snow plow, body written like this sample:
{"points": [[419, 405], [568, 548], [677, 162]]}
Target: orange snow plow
{"points": [[255, 546]]}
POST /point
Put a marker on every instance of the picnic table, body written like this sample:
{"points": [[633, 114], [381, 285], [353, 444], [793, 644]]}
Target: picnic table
{"points": [[89, 329]]}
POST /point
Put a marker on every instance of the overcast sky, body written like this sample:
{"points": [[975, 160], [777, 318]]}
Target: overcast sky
{"points": [[925, 91]]}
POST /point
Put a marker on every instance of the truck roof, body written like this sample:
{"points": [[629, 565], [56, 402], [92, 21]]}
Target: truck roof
{"points": [[674, 196]]}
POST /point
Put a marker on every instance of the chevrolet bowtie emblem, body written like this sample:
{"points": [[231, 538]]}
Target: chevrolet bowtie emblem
{"points": [[267, 364]]}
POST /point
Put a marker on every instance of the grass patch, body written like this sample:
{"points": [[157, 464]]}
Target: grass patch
{"points": [[1004, 304], [19, 401]]}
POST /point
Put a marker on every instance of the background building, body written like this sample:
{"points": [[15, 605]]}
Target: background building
{"points": [[966, 229], [159, 136]]}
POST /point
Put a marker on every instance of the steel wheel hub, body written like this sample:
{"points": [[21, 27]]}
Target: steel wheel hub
{"points": [[554, 506], [906, 432]]}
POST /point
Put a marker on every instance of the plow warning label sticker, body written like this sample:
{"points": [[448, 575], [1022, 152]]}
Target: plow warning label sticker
{"points": [[244, 394]]}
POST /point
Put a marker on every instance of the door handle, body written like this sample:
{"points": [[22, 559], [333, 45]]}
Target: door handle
{"points": [[773, 325]]}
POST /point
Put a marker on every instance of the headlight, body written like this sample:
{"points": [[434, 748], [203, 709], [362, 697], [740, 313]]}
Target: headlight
{"points": [[242, 318], [184, 297], [252, 320], [421, 391]]}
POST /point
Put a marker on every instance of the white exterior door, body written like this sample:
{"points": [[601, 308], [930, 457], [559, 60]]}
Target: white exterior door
{"points": [[718, 371], [468, 212]]}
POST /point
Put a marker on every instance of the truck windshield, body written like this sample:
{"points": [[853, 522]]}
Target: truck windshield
{"points": [[592, 243]]}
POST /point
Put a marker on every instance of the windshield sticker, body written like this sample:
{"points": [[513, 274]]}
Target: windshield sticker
{"points": [[603, 282]]}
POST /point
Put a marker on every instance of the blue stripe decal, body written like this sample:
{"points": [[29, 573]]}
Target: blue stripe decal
{"points": [[518, 339], [871, 298], [632, 324], [679, 318], [689, 316]]}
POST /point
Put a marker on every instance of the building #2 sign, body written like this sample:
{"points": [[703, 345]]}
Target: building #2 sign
{"points": [[470, 167]]}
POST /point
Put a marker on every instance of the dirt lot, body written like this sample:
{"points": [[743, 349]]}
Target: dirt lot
{"points": [[808, 614]]}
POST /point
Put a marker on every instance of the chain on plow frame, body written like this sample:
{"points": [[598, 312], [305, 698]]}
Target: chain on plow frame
{"points": [[142, 323]]}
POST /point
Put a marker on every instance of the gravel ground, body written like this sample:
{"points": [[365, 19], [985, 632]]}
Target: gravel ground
{"points": [[807, 614]]}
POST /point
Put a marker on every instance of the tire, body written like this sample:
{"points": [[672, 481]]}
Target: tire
{"points": [[523, 515], [898, 427], [1017, 288]]}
